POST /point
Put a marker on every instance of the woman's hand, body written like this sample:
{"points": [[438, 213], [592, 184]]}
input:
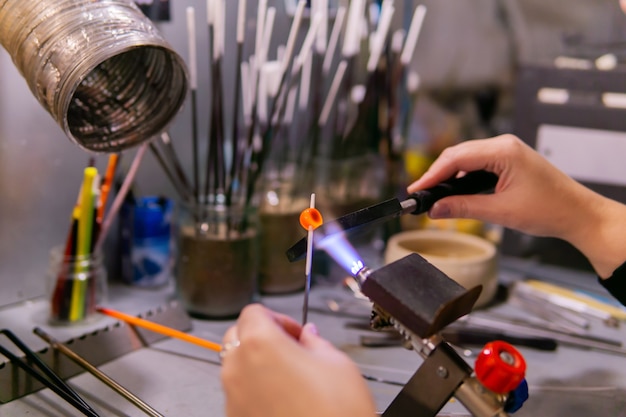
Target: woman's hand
{"points": [[281, 369], [531, 196]]}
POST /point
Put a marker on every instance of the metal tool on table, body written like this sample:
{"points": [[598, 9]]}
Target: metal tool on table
{"points": [[36, 368], [463, 337], [417, 203], [418, 300], [110, 382], [522, 327], [100, 346]]}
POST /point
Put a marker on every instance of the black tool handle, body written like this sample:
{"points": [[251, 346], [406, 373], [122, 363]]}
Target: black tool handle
{"points": [[472, 183], [472, 336]]}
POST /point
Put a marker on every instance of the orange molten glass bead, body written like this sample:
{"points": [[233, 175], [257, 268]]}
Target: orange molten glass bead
{"points": [[311, 217]]}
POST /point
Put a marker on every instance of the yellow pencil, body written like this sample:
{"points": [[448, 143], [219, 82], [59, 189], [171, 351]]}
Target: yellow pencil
{"points": [[83, 244], [161, 329]]}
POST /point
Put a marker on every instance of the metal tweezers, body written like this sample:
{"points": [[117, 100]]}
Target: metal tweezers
{"points": [[44, 374]]}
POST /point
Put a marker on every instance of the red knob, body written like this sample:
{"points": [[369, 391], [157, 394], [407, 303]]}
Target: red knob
{"points": [[500, 367]]}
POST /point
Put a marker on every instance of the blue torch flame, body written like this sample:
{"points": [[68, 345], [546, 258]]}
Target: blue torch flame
{"points": [[337, 246]]}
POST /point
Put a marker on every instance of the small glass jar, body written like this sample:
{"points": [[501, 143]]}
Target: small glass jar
{"points": [[78, 286], [217, 259], [349, 184], [280, 206]]}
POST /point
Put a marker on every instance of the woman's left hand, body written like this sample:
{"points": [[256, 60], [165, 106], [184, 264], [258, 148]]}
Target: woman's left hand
{"points": [[281, 369]]}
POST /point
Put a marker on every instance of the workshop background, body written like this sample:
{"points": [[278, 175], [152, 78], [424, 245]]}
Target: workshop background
{"points": [[552, 72], [467, 59]]}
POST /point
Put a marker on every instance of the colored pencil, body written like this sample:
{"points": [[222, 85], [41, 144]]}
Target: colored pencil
{"points": [[83, 245], [159, 328], [105, 187]]}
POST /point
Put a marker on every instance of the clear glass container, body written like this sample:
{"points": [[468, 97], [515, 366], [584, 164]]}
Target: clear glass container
{"points": [[348, 184], [280, 204], [217, 259], [78, 284]]}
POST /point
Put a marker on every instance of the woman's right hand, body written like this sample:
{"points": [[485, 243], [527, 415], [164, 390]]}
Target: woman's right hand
{"points": [[532, 196]]}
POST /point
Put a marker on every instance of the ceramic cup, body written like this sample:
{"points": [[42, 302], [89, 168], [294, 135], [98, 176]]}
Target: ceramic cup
{"points": [[467, 259]]}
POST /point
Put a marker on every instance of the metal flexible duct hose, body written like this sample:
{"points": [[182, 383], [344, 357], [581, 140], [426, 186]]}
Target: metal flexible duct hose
{"points": [[100, 68]]}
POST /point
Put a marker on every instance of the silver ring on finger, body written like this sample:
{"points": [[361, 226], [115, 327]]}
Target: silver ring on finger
{"points": [[227, 347]]}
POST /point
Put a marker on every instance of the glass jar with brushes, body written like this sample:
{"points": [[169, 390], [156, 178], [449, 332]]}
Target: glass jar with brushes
{"points": [[281, 201], [217, 258]]}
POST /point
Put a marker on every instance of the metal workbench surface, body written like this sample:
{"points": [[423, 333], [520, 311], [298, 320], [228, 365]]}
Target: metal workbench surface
{"points": [[179, 379]]}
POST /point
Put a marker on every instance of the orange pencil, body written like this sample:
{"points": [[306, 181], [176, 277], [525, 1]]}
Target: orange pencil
{"points": [[105, 188], [159, 328]]}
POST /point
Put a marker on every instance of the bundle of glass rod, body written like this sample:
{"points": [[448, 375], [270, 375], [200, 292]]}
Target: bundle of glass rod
{"points": [[33, 366], [293, 103], [367, 81], [100, 68]]}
